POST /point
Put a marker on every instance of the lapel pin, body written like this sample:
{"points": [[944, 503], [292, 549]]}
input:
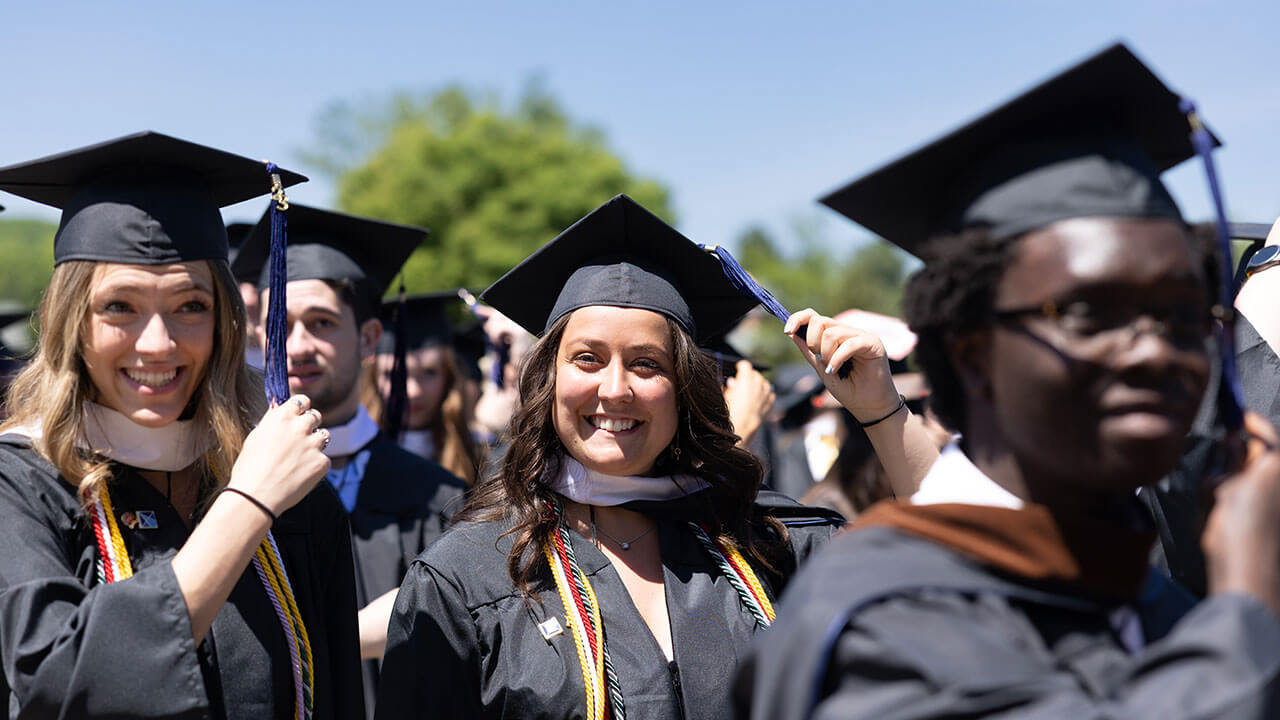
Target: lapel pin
{"points": [[550, 628]]}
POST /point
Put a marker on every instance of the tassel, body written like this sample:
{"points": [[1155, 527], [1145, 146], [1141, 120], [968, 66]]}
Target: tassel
{"points": [[1230, 396], [398, 397], [745, 284], [277, 372]]}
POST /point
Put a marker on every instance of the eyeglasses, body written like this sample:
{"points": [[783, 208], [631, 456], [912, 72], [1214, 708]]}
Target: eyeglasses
{"points": [[1102, 331]]}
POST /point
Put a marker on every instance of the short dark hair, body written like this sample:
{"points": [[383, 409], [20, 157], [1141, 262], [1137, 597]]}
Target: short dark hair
{"points": [[355, 298]]}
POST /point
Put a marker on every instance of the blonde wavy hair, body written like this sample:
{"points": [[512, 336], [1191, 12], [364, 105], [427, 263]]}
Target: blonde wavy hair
{"points": [[51, 390], [456, 451]]}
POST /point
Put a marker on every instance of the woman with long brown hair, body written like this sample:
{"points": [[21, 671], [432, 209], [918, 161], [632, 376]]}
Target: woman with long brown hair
{"points": [[622, 557], [435, 423], [160, 556]]}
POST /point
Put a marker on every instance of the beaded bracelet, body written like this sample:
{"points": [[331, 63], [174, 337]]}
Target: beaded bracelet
{"points": [[902, 402], [258, 502]]}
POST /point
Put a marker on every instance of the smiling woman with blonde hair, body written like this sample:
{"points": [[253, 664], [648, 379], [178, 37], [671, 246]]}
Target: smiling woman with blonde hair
{"points": [[160, 556]]}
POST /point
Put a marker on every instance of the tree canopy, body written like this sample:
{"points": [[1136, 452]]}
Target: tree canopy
{"points": [[26, 259], [492, 184]]}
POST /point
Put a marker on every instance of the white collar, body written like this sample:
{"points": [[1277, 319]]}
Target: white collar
{"points": [[419, 442], [107, 432], [953, 478], [347, 439], [589, 487]]}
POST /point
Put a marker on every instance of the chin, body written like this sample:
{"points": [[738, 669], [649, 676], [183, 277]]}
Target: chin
{"points": [[152, 418], [614, 465]]}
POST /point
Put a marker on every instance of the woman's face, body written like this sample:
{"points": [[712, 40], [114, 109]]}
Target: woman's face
{"points": [[424, 385], [615, 404], [149, 337]]}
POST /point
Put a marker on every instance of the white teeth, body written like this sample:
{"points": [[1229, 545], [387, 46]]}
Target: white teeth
{"points": [[611, 424], [152, 379]]}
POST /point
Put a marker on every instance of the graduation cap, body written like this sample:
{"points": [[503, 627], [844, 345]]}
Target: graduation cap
{"points": [[146, 198], [728, 356], [424, 322], [624, 256], [328, 245], [1089, 142], [237, 233]]}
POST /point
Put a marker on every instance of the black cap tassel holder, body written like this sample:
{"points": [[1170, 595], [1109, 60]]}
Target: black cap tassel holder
{"points": [[1230, 396], [277, 373], [742, 280], [398, 398]]}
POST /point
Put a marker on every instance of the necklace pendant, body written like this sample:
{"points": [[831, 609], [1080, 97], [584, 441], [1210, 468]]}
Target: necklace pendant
{"points": [[626, 546]]}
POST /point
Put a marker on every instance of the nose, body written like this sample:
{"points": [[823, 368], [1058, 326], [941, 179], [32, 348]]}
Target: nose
{"points": [[297, 344], [615, 383], [155, 338], [1147, 344]]}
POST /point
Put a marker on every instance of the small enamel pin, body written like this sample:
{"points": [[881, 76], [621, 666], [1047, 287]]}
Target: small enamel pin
{"points": [[141, 520], [550, 628]]}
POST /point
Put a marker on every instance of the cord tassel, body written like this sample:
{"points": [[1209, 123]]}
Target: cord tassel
{"points": [[277, 373], [398, 396], [1230, 396]]}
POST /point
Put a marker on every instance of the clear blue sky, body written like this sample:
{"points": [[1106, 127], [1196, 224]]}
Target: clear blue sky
{"points": [[748, 111]]}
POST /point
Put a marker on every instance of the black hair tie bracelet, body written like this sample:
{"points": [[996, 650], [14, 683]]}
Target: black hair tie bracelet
{"points": [[902, 402], [260, 504]]}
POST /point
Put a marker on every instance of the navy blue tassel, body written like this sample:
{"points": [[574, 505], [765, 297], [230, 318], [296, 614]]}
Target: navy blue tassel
{"points": [[1230, 396], [398, 398], [277, 371], [745, 284], [742, 280]]}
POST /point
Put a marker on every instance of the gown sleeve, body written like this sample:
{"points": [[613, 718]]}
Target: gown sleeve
{"points": [[118, 650], [432, 664], [926, 658]]}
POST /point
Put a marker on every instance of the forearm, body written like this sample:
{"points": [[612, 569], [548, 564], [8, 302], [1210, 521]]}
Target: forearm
{"points": [[214, 557], [374, 619], [1258, 299], [905, 449]]}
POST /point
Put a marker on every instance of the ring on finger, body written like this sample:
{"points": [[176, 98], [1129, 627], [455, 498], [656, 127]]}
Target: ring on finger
{"points": [[315, 414], [301, 408], [324, 438]]}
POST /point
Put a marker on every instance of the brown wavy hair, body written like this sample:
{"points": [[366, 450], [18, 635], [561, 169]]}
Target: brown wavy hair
{"points": [[516, 495], [51, 390], [456, 450]]}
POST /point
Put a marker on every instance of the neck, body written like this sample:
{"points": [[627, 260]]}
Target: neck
{"points": [[341, 416], [1023, 475]]}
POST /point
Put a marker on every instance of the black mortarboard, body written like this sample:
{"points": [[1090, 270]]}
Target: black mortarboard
{"points": [[237, 233], [145, 198], [426, 322], [728, 356], [1089, 142], [624, 256], [328, 245]]}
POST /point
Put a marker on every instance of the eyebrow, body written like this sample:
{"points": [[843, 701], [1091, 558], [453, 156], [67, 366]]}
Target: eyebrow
{"points": [[642, 347]]}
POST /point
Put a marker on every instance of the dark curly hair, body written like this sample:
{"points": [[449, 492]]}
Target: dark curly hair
{"points": [[954, 293], [518, 496]]}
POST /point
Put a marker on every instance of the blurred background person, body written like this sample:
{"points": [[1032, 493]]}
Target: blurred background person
{"points": [[436, 422]]}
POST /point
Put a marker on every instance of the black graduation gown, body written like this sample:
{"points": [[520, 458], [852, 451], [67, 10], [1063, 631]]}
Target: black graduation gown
{"points": [[1177, 502], [464, 644], [404, 503], [882, 624], [74, 648]]}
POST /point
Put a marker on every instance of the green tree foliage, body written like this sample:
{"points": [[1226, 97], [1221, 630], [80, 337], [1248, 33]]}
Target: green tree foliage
{"points": [[26, 260], [492, 184]]}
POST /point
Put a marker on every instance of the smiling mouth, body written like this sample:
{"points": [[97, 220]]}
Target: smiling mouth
{"points": [[609, 424], [153, 381]]}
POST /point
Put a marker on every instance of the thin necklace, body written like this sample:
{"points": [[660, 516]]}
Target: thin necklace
{"points": [[625, 544]]}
